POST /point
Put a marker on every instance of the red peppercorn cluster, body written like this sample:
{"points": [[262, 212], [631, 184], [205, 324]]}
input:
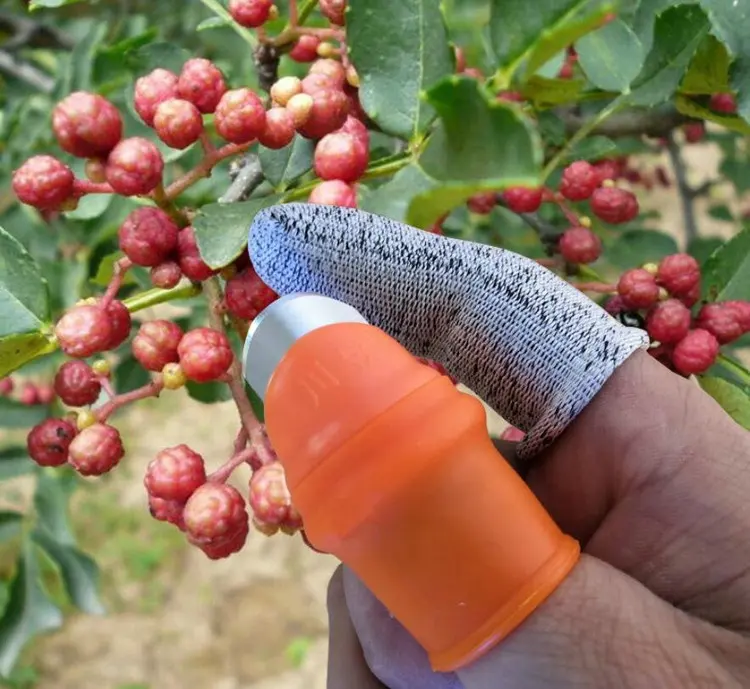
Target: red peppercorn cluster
{"points": [[686, 337]]}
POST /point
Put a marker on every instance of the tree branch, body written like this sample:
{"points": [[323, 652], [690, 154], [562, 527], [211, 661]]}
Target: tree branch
{"points": [[26, 72], [656, 122], [686, 192], [248, 178], [26, 32]]}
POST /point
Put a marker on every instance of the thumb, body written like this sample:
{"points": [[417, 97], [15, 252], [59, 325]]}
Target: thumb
{"points": [[600, 628]]}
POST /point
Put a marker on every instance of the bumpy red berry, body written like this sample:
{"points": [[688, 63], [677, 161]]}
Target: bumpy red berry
{"points": [[694, 132], [222, 548], [43, 182], [134, 167], [328, 112], [279, 129], [269, 496], [512, 434], [175, 474], [6, 386], [305, 49], [202, 83], [482, 203], [96, 450], [48, 442], [205, 354], [153, 89], [638, 289], [332, 69], [178, 123], [148, 236], [250, 13], [119, 321], [678, 274], [156, 343], [668, 321], [607, 169], [580, 245], [166, 275], [340, 156], [334, 10], [695, 353], [614, 205], [721, 321], [741, 310], [86, 125], [192, 265], [578, 181], [724, 103], [523, 199], [76, 384], [334, 193], [247, 295], [316, 82], [240, 116], [215, 512], [358, 130], [167, 511], [83, 331]]}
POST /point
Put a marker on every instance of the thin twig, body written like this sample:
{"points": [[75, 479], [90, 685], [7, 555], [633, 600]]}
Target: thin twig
{"points": [[152, 389], [26, 72], [686, 192], [204, 168], [27, 33], [249, 178], [654, 122]]}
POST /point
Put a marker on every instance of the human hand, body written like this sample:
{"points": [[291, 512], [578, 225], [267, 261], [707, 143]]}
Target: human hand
{"points": [[650, 475]]}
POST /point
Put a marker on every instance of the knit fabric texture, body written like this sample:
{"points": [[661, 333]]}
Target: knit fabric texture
{"points": [[529, 344]]}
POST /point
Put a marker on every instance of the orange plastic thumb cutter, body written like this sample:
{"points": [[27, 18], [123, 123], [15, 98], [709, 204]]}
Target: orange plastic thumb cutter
{"points": [[393, 472]]}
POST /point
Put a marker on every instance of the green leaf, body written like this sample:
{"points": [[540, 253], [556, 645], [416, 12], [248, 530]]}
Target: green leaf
{"points": [[499, 149], [283, 166], [592, 148], [77, 76], [709, 70], [392, 199], [212, 23], [222, 228], [678, 32], [546, 93], [732, 399], [16, 415], [635, 247], [400, 49], [730, 21], [721, 212], [567, 33], [29, 610], [687, 106], [24, 300], [726, 274], [701, 248], [107, 268], [130, 375], [166, 55], [53, 490], [79, 572], [51, 4], [16, 350], [10, 525], [644, 18], [208, 393], [90, 207], [515, 27], [15, 461], [611, 57]]}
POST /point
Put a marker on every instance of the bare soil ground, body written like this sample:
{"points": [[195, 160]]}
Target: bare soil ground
{"points": [[179, 621]]}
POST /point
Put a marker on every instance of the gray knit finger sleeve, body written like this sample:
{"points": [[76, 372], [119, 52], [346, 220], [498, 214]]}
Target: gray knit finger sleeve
{"points": [[533, 347]]}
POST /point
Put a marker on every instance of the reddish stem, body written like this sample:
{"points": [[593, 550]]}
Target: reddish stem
{"points": [[601, 287], [225, 470], [240, 442], [152, 389], [322, 34], [571, 216], [203, 168], [293, 14], [121, 267], [547, 262], [207, 144], [107, 386], [85, 186]]}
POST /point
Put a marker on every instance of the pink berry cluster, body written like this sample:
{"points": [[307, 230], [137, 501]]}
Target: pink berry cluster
{"points": [[665, 297], [28, 393], [213, 514]]}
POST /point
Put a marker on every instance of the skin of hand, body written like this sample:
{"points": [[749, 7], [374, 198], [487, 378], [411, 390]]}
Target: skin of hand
{"points": [[653, 479]]}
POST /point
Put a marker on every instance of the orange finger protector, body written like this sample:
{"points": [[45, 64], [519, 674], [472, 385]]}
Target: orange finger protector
{"points": [[393, 472]]}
